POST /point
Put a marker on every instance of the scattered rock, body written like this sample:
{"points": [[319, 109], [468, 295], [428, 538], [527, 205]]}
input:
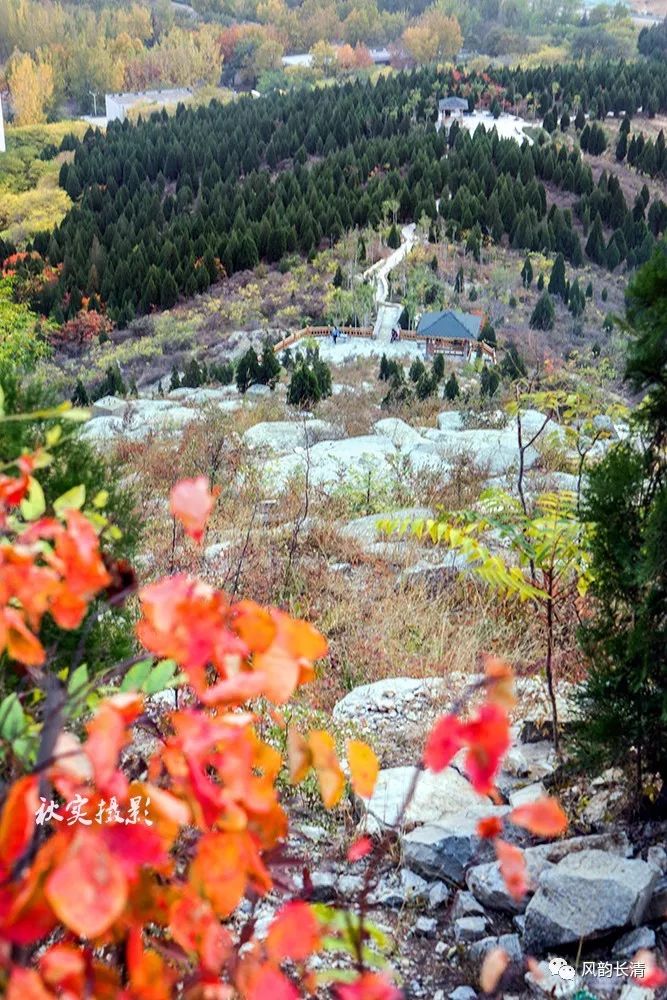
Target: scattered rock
{"points": [[465, 905], [463, 993], [543, 982], [469, 929], [415, 888], [657, 907], [438, 895], [628, 945], [508, 942], [586, 894], [657, 858], [426, 926], [450, 420]]}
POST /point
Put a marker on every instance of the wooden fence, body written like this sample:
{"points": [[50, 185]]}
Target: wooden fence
{"points": [[458, 348]]}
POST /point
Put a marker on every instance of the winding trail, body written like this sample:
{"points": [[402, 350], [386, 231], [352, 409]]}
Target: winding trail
{"points": [[389, 312]]}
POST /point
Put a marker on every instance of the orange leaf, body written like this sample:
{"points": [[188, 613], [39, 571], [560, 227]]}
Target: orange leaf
{"points": [[325, 762], [191, 503], [63, 966], [299, 757], [18, 820], [269, 982], [196, 928], [25, 984], [21, 644], [512, 868], [493, 966], [294, 933], [500, 678], [487, 736], [364, 767], [544, 817], [88, 890]]}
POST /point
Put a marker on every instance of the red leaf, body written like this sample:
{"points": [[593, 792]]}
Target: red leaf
{"points": [[370, 986], [489, 827], [443, 743], [191, 503], [359, 849]]}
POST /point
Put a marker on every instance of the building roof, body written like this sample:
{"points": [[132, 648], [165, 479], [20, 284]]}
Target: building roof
{"points": [[453, 104], [451, 324]]}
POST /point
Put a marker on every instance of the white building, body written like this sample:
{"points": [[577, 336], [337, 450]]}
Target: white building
{"points": [[3, 148], [117, 106]]}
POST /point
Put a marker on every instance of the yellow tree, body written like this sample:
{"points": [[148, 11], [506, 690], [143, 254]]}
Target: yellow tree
{"points": [[324, 58], [435, 37], [31, 86]]}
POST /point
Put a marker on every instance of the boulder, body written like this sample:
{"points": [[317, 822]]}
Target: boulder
{"points": [[409, 697], [587, 894], [442, 800], [447, 849], [285, 436], [450, 420], [487, 884], [109, 406], [364, 530], [399, 433], [333, 462], [434, 577]]}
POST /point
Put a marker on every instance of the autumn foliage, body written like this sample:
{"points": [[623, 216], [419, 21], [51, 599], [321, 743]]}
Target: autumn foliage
{"points": [[115, 885]]}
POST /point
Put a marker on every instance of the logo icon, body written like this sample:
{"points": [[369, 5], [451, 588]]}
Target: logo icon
{"points": [[559, 967]]}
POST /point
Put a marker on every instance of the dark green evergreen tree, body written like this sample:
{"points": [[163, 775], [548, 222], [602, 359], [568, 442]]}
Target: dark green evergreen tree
{"points": [[623, 700], [543, 314]]}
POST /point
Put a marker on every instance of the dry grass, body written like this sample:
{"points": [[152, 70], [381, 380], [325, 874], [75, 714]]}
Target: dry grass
{"points": [[374, 629]]}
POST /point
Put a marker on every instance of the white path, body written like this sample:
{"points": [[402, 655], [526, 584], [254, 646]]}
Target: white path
{"points": [[388, 312]]}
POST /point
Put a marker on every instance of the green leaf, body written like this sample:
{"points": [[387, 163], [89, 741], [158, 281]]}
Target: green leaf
{"points": [[53, 435], [136, 675], [160, 677], [101, 499], [78, 679], [73, 499], [2, 401], [34, 505], [12, 718]]}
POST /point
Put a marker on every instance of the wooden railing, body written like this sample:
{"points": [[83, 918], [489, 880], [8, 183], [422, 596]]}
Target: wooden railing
{"points": [[466, 347], [322, 331]]}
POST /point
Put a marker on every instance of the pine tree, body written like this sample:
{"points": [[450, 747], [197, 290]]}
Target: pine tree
{"points": [[247, 370], [394, 238], [527, 273], [417, 369], [543, 314], [338, 277], [540, 282], [80, 395], [623, 700], [438, 368], [452, 389], [595, 245], [580, 119], [488, 334], [269, 366], [557, 280], [458, 281]]}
